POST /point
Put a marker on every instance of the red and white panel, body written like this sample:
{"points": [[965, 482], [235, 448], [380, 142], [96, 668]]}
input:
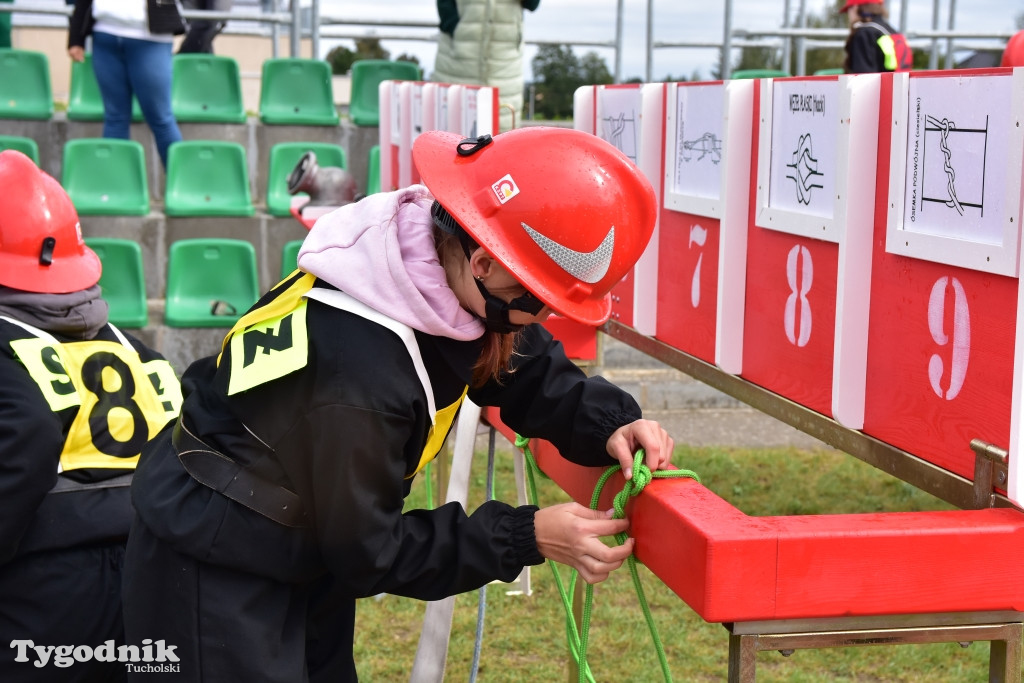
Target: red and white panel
{"points": [[698, 142], [945, 352], [807, 256], [472, 110], [630, 117]]}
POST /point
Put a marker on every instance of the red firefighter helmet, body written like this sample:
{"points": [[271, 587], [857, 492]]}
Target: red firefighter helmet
{"points": [[854, 3], [566, 213], [41, 246]]}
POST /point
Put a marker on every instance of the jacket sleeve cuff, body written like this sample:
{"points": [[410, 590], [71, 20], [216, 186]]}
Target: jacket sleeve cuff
{"points": [[524, 537]]}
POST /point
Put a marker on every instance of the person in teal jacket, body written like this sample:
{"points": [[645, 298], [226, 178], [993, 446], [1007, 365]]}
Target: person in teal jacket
{"points": [[5, 27]]}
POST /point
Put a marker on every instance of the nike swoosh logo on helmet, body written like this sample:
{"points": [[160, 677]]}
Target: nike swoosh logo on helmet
{"points": [[587, 267]]}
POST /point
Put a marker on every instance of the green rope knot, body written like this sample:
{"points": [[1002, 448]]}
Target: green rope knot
{"points": [[642, 476], [579, 635]]}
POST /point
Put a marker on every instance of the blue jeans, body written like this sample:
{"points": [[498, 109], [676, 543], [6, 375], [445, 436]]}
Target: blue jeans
{"points": [[125, 66]]}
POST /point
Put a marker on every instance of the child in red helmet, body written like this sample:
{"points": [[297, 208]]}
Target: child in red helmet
{"points": [[278, 498], [873, 46], [78, 400]]}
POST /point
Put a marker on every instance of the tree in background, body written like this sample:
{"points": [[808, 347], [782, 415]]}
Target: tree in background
{"points": [[558, 73], [341, 58]]}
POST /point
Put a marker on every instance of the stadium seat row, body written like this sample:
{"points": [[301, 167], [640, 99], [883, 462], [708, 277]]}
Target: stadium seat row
{"points": [[211, 282], [207, 88], [204, 177]]}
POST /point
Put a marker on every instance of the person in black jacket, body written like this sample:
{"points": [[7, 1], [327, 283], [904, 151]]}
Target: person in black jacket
{"points": [[201, 32], [277, 499], [873, 46], [78, 399], [131, 56]]}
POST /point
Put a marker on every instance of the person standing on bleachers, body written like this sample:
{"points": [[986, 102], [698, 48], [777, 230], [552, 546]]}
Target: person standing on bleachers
{"points": [[201, 32], [5, 27], [481, 43], [873, 46], [78, 400], [132, 42]]}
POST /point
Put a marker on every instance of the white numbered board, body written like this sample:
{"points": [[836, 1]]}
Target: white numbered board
{"points": [[618, 118], [472, 110], [694, 147], [797, 161], [955, 177]]}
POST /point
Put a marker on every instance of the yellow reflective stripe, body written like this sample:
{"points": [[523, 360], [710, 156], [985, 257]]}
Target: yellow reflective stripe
{"points": [[120, 410], [443, 421], [888, 48], [166, 385], [277, 307], [48, 368], [268, 349]]}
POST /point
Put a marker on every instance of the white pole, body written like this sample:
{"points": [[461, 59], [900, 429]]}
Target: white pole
{"points": [[949, 41], [727, 41], [618, 43], [650, 40]]}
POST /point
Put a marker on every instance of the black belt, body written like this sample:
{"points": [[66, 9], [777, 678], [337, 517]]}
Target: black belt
{"points": [[231, 480], [65, 485]]}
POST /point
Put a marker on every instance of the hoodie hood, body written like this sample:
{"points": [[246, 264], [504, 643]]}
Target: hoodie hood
{"points": [[381, 252]]}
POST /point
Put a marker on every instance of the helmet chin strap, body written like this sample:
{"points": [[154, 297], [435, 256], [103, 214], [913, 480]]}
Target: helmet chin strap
{"points": [[497, 313]]}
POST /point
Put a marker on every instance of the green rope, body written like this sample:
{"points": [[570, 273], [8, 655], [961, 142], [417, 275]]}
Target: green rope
{"points": [[578, 639], [428, 476]]}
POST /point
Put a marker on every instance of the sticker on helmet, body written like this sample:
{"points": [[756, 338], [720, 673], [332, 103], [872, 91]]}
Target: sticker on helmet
{"points": [[505, 189], [586, 266]]}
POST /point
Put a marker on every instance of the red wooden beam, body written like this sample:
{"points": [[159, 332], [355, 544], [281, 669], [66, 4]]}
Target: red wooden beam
{"points": [[731, 567]]}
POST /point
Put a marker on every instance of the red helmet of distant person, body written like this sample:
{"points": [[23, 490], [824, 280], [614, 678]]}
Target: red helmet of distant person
{"points": [[566, 213], [41, 246], [853, 3]]}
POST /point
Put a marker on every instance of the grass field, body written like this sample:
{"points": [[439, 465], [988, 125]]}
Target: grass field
{"points": [[524, 638]]}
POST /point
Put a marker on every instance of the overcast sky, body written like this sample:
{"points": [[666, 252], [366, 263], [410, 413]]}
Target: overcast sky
{"points": [[674, 21]]}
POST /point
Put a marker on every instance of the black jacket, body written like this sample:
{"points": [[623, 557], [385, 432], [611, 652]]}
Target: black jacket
{"points": [[345, 433], [32, 438], [163, 18], [863, 53]]}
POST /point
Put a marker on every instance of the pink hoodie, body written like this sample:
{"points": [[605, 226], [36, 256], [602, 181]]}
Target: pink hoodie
{"points": [[381, 251]]}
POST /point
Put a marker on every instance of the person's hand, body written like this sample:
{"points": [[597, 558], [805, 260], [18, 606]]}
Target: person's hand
{"points": [[77, 53], [646, 434], [571, 534]]}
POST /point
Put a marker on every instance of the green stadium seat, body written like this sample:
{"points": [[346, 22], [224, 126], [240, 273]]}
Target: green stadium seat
{"points": [[283, 157], [26, 146], [105, 176], [829, 72], [760, 73], [25, 91], [211, 282], [206, 88], [373, 171], [296, 91], [207, 178], [367, 74], [84, 100], [122, 283], [289, 257]]}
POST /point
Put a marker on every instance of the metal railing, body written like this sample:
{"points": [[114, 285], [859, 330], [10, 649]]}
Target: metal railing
{"points": [[314, 24]]}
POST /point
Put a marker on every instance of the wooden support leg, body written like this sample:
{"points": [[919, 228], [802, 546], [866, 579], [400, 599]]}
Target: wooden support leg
{"points": [[742, 658], [1004, 630], [1004, 663]]}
